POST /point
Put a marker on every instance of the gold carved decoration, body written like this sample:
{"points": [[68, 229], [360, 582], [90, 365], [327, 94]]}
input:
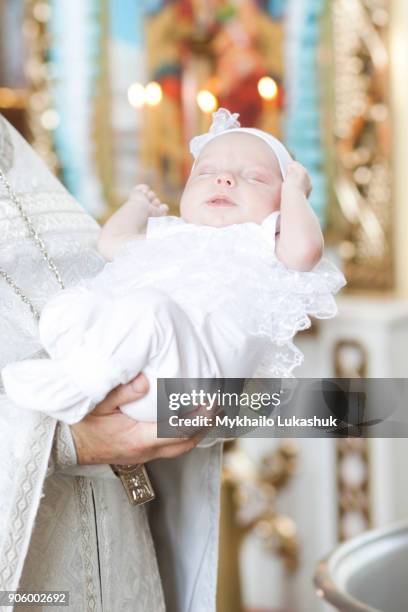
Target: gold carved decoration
{"points": [[136, 483], [353, 483], [249, 493], [353, 487], [102, 128], [350, 359], [41, 116], [362, 129]]}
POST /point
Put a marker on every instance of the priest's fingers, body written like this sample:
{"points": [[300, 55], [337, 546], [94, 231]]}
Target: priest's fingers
{"points": [[107, 435], [123, 394], [147, 433], [175, 450], [163, 448], [116, 438]]}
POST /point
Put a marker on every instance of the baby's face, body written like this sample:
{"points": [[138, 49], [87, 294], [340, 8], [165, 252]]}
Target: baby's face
{"points": [[236, 179]]}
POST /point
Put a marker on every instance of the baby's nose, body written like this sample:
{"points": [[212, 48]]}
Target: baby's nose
{"points": [[225, 179]]}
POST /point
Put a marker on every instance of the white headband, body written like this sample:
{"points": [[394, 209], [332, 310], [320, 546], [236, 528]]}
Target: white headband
{"points": [[223, 122]]}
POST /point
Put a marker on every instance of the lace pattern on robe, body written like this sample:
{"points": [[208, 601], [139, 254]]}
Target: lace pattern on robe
{"points": [[27, 438]]}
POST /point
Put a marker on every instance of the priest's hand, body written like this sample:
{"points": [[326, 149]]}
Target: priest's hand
{"points": [[107, 436]]}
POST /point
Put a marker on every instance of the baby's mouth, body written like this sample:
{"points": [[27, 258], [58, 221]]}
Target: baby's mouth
{"points": [[220, 199]]}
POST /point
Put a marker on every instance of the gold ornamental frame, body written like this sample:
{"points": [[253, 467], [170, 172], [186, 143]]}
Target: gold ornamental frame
{"points": [[40, 112], [361, 221]]}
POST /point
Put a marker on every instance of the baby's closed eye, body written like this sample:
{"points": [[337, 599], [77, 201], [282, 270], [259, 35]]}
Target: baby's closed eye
{"points": [[256, 177]]}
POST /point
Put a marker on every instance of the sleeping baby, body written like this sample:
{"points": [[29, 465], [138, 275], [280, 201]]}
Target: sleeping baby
{"points": [[219, 292]]}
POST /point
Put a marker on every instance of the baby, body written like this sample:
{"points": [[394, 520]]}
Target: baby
{"points": [[219, 292], [236, 179]]}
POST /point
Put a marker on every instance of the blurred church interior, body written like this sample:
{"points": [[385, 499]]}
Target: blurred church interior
{"points": [[109, 93]]}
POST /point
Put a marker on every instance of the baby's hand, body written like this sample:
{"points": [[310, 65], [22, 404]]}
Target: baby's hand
{"points": [[297, 176], [145, 198]]}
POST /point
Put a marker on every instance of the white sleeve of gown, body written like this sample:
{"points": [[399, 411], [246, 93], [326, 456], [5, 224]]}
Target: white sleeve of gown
{"points": [[97, 341], [100, 338]]}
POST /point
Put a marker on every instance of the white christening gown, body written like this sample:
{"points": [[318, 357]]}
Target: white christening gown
{"points": [[71, 527], [189, 301]]}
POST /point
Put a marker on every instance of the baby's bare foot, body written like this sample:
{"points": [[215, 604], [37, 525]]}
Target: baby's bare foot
{"points": [[297, 176], [156, 208]]}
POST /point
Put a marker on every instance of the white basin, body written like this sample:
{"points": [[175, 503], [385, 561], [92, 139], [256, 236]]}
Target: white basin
{"points": [[368, 573]]}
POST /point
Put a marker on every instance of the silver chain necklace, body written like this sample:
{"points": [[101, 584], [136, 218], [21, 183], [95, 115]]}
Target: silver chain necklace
{"points": [[135, 478], [40, 244]]}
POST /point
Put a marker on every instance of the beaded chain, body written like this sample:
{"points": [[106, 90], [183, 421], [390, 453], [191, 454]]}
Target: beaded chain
{"points": [[38, 241]]}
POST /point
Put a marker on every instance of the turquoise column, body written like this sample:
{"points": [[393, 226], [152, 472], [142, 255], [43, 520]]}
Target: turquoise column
{"points": [[74, 50], [303, 117]]}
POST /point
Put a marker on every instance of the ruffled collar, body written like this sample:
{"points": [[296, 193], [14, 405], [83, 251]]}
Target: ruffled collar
{"points": [[165, 226]]}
